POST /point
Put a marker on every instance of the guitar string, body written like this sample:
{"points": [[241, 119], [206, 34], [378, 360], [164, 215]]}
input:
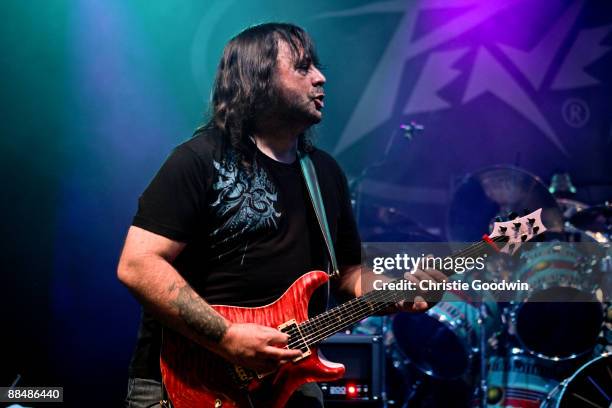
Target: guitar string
{"points": [[381, 302], [379, 305], [318, 334], [347, 305], [336, 319]]}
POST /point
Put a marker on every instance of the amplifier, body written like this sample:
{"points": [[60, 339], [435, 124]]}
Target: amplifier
{"points": [[364, 359]]}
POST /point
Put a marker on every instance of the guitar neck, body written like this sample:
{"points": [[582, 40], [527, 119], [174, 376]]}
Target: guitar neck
{"points": [[322, 326]]}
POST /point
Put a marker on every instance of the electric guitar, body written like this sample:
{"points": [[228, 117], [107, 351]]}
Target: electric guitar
{"points": [[196, 377]]}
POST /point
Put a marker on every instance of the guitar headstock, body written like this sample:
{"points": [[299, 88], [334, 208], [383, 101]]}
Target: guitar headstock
{"points": [[518, 230]]}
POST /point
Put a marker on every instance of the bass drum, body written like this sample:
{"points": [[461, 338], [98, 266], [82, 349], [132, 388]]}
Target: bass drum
{"points": [[589, 387], [519, 381], [560, 318], [442, 342]]}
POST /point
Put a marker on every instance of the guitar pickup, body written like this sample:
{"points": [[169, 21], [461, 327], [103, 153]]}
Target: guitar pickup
{"points": [[296, 338]]}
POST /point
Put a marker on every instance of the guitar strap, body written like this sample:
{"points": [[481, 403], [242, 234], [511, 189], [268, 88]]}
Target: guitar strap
{"points": [[312, 185]]}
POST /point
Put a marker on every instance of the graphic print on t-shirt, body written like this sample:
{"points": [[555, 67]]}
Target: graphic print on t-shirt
{"points": [[249, 198]]}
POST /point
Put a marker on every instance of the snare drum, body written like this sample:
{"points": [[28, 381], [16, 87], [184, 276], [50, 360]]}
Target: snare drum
{"points": [[519, 381], [560, 318], [442, 342], [590, 386]]}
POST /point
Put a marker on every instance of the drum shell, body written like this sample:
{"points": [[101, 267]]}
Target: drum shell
{"points": [[553, 264], [442, 341], [564, 395], [519, 381], [548, 321]]}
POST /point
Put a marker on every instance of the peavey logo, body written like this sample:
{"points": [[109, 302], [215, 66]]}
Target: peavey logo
{"points": [[489, 72]]}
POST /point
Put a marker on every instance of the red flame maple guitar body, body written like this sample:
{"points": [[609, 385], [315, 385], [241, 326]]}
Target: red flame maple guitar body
{"points": [[196, 377]]}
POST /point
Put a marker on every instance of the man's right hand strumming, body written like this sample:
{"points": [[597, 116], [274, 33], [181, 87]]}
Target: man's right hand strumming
{"points": [[257, 347], [146, 270]]}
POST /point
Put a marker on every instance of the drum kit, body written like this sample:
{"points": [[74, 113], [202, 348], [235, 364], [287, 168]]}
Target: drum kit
{"points": [[534, 349]]}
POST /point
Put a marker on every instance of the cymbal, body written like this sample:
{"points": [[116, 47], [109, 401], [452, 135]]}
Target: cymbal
{"points": [[497, 191], [597, 219], [570, 207], [384, 223]]}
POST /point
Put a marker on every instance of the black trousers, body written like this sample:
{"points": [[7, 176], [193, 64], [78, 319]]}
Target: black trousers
{"points": [[146, 393]]}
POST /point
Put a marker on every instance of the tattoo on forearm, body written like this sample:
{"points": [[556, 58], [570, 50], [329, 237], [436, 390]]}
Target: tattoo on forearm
{"points": [[198, 315]]}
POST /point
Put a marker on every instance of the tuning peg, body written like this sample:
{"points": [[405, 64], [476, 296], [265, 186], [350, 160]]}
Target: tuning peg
{"points": [[517, 225], [503, 230], [512, 215], [531, 221]]}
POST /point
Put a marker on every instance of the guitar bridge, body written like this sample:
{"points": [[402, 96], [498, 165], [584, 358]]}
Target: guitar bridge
{"points": [[296, 339]]}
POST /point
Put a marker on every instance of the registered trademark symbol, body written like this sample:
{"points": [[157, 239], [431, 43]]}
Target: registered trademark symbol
{"points": [[575, 112]]}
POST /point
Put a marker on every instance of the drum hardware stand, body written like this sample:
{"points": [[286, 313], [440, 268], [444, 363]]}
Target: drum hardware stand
{"points": [[385, 324], [408, 131], [410, 393], [17, 379], [384, 327], [484, 388]]}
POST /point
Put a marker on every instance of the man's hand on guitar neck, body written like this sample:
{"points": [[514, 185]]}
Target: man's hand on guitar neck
{"points": [[355, 282], [257, 347], [420, 304]]}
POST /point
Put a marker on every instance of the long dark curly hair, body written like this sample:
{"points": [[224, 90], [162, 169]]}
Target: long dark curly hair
{"points": [[244, 84]]}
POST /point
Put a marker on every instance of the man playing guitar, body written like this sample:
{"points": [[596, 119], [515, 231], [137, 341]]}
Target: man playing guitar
{"points": [[227, 219]]}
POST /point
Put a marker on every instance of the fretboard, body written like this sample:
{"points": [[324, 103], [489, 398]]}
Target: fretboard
{"points": [[345, 315]]}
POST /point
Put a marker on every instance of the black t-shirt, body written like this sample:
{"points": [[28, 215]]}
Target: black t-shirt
{"points": [[249, 234]]}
